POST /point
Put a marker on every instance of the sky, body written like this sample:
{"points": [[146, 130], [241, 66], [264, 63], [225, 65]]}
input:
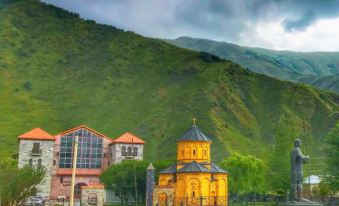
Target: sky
{"points": [[297, 25]]}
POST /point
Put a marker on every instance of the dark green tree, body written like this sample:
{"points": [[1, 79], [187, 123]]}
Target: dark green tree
{"points": [[246, 173], [332, 152], [17, 184], [120, 178], [279, 163]]}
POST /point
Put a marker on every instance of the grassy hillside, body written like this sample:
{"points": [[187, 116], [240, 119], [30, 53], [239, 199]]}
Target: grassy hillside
{"points": [[304, 67], [58, 71]]}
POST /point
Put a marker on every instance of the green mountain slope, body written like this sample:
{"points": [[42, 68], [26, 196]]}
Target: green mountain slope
{"points": [[328, 82], [58, 71], [304, 67]]}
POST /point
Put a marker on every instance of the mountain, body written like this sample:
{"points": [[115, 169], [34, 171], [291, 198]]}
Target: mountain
{"points": [[302, 67], [58, 71]]}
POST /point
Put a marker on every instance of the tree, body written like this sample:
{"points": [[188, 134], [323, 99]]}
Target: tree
{"points": [[120, 178], [247, 173], [279, 173], [332, 161], [17, 184]]}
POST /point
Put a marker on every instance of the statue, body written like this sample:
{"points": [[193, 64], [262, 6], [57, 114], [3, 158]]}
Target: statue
{"points": [[296, 193], [297, 161]]}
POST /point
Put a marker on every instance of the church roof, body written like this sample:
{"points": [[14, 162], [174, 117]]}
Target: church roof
{"points": [[170, 170], [37, 134], [129, 139], [194, 134], [194, 167], [216, 169]]}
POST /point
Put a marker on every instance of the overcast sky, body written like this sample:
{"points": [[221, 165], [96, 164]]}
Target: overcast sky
{"points": [[298, 25]]}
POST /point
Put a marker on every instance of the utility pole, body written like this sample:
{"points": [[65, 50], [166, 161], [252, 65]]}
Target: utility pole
{"points": [[305, 126], [135, 178], [75, 153]]}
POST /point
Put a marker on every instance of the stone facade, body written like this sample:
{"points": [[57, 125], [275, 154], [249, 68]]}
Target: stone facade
{"points": [[117, 153], [93, 195], [150, 184], [42, 158]]}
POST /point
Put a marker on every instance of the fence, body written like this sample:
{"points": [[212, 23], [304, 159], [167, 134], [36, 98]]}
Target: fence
{"points": [[200, 201]]}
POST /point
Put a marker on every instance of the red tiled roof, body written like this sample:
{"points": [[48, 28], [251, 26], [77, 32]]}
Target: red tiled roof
{"points": [[80, 172], [37, 134], [129, 138], [87, 128]]}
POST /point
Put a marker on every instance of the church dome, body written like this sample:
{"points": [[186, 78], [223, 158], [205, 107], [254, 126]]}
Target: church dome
{"points": [[194, 134]]}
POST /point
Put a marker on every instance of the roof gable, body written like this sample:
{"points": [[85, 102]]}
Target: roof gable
{"points": [[86, 128], [170, 170], [217, 169], [194, 134], [194, 167], [37, 134], [129, 138]]}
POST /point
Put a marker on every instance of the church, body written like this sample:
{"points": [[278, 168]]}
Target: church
{"points": [[194, 179]]}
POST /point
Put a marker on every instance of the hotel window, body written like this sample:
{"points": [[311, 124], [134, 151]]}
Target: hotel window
{"points": [[129, 151], [135, 151], [123, 151], [39, 163], [36, 148], [89, 150]]}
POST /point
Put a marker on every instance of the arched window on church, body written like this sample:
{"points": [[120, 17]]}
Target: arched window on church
{"points": [[205, 152], [182, 153], [135, 151], [129, 151], [123, 151], [194, 152]]}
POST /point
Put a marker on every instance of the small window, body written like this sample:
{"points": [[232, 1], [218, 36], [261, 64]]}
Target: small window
{"points": [[123, 151], [36, 148], [182, 152], [61, 179], [39, 163], [205, 152], [193, 194], [129, 151], [194, 152], [135, 151], [54, 162], [30, 162]]}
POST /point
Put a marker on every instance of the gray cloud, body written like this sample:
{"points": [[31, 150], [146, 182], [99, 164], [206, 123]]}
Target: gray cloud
{"points": [[214, 19]]}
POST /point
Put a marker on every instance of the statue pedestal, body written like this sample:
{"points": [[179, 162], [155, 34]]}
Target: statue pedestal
{"points": [[303, 203]]}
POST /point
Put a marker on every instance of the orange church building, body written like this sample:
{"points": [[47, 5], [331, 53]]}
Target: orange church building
{"points": [[194, 179]]}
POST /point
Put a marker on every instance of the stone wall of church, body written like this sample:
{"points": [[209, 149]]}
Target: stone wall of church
{"points": [[45, 156]]}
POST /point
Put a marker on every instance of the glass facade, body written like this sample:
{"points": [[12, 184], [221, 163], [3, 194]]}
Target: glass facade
{"points": [[89, 150]]}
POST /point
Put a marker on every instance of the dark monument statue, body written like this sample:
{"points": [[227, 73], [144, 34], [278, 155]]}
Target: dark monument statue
{"points": [[297, 161], [296, 192]]}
